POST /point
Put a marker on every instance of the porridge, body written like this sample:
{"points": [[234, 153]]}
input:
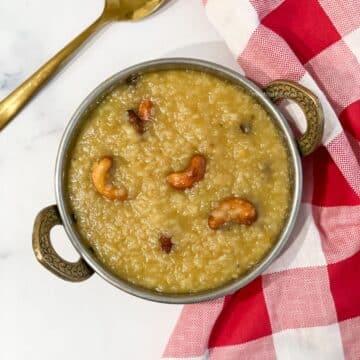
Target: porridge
{"points": [[179, 181]]}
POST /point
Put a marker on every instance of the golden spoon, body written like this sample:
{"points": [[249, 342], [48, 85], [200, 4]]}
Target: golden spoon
{"points": [[115, 10]]}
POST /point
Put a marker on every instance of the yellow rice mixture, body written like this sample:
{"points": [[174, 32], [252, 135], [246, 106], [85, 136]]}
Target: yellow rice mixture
{"points": [[194, 113]]}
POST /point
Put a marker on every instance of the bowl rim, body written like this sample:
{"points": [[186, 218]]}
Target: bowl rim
{"points": [[176, 63]]}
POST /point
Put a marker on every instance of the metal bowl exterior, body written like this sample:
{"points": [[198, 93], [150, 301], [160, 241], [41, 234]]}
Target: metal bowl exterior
{"points": [[106, 87]]}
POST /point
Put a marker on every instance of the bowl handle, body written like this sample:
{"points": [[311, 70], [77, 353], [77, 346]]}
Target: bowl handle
{"points": [[45, 253], [311, 106]]}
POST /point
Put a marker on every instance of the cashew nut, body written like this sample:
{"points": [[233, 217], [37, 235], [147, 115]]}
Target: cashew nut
{"points": [[232, 210], [146, 109], [145, 114], [99, 177], [187, 178]]}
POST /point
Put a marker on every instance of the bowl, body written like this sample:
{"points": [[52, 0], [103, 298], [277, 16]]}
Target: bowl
{"points": [[60, 214]]}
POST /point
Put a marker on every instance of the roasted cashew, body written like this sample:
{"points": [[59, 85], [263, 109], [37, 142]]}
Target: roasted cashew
{"points": [[145, 114], [232, 210], [99, 177], [187, 178], [146, 110]]}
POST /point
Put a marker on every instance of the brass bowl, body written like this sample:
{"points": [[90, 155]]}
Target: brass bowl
{"points": [[60, 214]]}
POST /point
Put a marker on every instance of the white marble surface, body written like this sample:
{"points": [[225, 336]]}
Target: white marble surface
{"points": [[41, 316]]}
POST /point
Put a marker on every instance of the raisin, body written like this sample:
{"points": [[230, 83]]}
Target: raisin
{"points": [[132, 79], [166, 244], [246, 128], [136, 121]]}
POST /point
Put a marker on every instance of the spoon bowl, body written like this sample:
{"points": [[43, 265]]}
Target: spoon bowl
{"points": [[120, 10], [114, 10]]}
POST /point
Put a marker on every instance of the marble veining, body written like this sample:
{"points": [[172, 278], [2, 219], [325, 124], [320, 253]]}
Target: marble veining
{"points": [[4, 255], [9, 80], [42, 134]]}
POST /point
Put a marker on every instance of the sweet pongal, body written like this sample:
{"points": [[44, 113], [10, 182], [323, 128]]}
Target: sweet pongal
{"points": [[179, 181]]}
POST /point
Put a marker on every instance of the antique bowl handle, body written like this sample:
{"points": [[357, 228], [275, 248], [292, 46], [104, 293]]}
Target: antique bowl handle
{"points": [[47, 256], [309, 103]]}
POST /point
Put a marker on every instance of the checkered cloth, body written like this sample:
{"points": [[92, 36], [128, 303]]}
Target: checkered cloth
{"points": [[307, 304]]}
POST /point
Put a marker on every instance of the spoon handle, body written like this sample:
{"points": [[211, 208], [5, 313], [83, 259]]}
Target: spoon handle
{"points": [[14, 102]]}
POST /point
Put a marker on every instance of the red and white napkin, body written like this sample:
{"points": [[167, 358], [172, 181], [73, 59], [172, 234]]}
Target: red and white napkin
{"points": [[307, 304]]}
